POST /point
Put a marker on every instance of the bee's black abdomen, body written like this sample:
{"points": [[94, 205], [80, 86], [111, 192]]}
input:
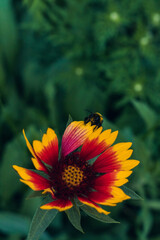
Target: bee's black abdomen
{"points": [[95, 119]]}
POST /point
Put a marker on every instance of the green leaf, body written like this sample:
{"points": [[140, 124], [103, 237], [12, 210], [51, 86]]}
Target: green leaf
{"points": [[35, 194], [131, 193], [147, 114], [70, 119], [96, 215], [40, 222], [74, 217]]}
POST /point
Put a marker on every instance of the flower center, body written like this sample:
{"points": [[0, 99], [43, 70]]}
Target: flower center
{"points": [[72, 176]]}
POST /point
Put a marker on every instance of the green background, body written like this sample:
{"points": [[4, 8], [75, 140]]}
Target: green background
{"points": [[61, 57]]}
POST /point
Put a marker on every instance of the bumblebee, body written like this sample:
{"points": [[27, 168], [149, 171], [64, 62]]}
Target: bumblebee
{"points": [[95, 119]]}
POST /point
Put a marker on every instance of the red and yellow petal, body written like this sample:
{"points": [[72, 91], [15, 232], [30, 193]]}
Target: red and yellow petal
{"points": [[121, 146], [107, 191], [49, 190], [121, 182], [121, 178], [129, 164], [29, 145], [92, 204], [110, 198], [108, 137], [115, 158], [96, 143], [47, 150], [106, 182], [106, 162], [32, 179], [103, 185], [117, 196], [59, 204], [92, 147], [36, 161], [38, 164], [74, 136], [99, 197]]}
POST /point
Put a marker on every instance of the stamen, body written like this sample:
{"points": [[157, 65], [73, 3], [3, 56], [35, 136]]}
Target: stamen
{"points": [[72, 176]]}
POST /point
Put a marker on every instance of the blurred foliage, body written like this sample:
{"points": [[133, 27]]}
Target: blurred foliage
{"points": [[68, 56]]}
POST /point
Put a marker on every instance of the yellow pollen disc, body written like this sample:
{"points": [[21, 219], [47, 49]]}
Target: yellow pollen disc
{"points": [[72, 176]]}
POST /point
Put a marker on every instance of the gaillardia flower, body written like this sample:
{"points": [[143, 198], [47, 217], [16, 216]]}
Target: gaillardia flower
{"points": [[87, 168]]}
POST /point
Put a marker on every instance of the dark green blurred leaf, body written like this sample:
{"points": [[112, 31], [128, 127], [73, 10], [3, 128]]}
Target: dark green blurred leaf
{"points": [[14, 153], [8, 31], [147, 114], [145, 218], [98, 216], [40, 222], [153, 204], [73, 56], [14, 223], [131, 193], [34, 194], [74, 217]]}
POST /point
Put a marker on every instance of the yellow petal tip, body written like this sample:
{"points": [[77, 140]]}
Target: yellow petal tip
{"points": [[15, 167]]}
